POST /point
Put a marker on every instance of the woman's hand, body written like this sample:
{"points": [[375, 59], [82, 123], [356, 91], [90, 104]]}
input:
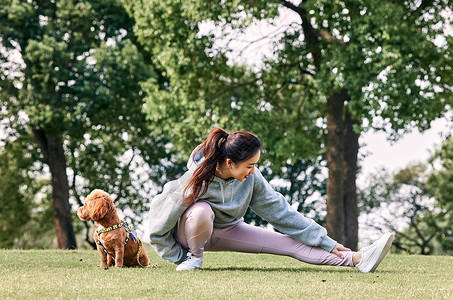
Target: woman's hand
{"points": [[339, 247]]}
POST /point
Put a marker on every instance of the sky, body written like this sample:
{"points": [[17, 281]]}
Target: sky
{"points": [[412, 147]]}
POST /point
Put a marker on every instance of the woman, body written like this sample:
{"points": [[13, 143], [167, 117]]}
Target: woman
{"points": [[203, 211]]}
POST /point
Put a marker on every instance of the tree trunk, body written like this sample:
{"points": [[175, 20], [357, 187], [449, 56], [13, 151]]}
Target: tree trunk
{"points": [[52, 149], [335, 153], [342, 212], [351, 211], [342, 150]]}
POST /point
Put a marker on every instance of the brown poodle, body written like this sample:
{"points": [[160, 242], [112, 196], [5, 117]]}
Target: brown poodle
{"points": [[116, 242]]}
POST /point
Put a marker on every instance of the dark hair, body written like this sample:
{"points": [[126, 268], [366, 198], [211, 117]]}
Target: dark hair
{"points": [[218, 146]]}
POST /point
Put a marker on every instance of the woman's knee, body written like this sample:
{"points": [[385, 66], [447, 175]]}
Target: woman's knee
{"points": [[201, 212]]}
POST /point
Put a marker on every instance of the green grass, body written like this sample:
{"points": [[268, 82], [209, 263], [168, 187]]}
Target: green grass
{"points": [[58, 274]]}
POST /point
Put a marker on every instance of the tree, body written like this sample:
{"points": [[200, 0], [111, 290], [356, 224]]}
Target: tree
{"points": [[18, 191], [341, 67], [441, 187], [400, 203], [442, 180], [71, 73], [403, 202]]}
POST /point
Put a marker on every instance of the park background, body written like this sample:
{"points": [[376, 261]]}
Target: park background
{"points": [[116, 94]]}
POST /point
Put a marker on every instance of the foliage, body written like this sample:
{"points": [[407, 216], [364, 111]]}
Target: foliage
{"points": [[441, 181], [72, 70], [303, 185], [402, 203], [18, 195], [441, 187], [202, 90], [383, 53]]}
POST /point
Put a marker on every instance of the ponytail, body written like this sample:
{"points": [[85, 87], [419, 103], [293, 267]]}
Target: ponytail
{"points": [[218, 146]]}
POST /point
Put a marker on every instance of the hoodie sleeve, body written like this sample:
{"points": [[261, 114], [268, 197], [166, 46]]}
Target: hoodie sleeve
{"points": [[165, 211], [273, 207]]}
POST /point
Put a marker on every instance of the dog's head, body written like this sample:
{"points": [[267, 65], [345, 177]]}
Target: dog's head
{"points": [[97, 204]]}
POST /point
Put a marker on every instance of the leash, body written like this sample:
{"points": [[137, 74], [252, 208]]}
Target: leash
{"points": [[130, 233]]}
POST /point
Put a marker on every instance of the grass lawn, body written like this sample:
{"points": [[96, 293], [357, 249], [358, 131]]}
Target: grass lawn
{"points": [[58, 274]]}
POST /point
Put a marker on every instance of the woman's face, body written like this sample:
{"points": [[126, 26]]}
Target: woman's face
{"points": [[244, 169]]}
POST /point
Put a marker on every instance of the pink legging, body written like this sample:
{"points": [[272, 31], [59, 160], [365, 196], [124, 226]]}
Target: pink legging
{"points": [[196, 233]]}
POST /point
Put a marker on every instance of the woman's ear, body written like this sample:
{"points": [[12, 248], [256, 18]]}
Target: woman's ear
{"points": [[229, 163]]}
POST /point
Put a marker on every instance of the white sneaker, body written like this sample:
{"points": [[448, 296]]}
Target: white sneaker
{"points": [[373, 254], [191, 263]]}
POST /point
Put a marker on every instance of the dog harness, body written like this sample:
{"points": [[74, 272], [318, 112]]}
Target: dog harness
{"points": [[130, 233]]}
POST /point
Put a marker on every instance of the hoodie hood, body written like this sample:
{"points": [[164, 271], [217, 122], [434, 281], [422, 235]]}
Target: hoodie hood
{"points": [[195, 159]]}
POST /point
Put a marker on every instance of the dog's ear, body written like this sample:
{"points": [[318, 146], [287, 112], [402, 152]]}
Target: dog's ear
{"points": [[101, 205]]}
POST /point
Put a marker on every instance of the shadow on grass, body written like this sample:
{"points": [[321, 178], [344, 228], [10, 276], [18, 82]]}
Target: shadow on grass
{"points": [[295, 270]]}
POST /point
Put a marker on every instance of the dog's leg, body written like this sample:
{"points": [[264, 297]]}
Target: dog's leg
{"points": [[110, 260], [119, 256], [144, 258], [103, 257]]}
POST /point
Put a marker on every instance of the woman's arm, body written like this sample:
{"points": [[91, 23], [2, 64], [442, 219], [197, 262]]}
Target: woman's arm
{"points": [[165, 211], [273, 207]]}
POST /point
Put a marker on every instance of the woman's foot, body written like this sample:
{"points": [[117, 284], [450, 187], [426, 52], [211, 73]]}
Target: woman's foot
{"points": [[356, 258], [373, 254], [191, 263]]}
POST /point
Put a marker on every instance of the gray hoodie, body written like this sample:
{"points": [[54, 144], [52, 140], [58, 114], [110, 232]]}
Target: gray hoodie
{"points": [[229, 199]]}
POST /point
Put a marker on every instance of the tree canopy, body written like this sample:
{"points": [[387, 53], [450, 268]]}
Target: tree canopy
{"points": [[102, 94], [441, 187], [70, 84], [414, 202]]}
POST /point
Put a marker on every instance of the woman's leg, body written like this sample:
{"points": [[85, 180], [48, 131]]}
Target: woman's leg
{"points": [[195, 227], [251, 239], [195, 232]]}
